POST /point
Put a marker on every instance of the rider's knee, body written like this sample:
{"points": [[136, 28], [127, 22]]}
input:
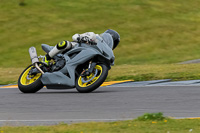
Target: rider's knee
{"points": [[64, 45]]}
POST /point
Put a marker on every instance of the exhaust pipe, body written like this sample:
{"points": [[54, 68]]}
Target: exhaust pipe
{"points": [[34, 58], [33, 55]]}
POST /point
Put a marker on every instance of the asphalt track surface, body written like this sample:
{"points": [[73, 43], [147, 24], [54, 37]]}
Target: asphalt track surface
{"points": [[49, 107]]}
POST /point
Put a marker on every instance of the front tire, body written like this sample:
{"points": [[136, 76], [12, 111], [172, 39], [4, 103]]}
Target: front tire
{"points": [[93, 81], [28, 84]]}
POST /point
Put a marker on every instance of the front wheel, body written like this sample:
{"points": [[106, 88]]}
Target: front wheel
{"points": [[28, 83], [93, 81]]}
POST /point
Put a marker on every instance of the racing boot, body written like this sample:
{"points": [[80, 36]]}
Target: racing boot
{"points": [[46, 60]]}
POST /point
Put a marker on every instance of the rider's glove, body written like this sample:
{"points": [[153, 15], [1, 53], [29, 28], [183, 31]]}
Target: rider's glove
{"points": [[80, 38], [88, 37]]}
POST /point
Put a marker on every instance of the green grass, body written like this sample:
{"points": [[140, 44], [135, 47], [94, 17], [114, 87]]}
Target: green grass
{"points": [[164, 125], [152, 116], [175, 72], [152, 32], [155, 34], [9, 75]]}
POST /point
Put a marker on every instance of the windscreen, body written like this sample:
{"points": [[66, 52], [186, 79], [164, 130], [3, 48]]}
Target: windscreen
{"points": [[108, 39]]}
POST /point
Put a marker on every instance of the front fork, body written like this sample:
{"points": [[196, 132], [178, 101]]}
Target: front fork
{"points": [[34, 58], [89, 70], [91, 66]]}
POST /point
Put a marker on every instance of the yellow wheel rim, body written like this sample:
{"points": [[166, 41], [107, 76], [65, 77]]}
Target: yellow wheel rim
{"points": [[25, 81], [81, 84]]}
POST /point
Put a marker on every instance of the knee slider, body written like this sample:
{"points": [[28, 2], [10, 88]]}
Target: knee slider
{"points": [[63, 45]]}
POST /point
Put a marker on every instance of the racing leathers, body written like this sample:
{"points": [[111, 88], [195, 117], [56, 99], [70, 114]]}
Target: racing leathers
{"points": [[88, 37]]}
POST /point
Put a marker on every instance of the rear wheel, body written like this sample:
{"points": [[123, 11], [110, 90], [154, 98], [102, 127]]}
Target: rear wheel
{"points": [[29, 83], [93, 81]]}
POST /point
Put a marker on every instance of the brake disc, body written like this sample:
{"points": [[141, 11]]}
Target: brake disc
{"points": [[86, 81]]}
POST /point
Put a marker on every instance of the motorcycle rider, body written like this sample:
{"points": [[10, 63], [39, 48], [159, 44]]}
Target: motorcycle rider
{"points": [[88, 37]]}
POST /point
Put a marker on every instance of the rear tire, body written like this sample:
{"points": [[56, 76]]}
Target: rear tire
{"points": [[84, 88], [32, 86]]}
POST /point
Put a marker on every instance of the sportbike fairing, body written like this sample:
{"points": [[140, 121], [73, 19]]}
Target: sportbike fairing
{"points": [[65, 78]]}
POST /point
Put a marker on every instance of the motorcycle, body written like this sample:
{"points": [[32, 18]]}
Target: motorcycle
{"points": [[85, 67]]}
